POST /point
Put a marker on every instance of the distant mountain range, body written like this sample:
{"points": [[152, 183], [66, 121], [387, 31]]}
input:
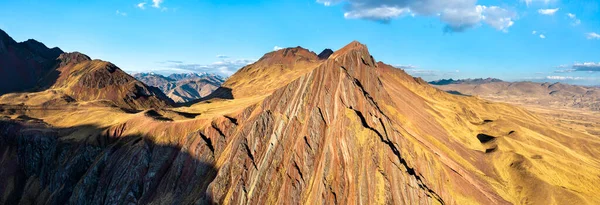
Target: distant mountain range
{"points": [[183, 87], [465, 81], [545, 94]]}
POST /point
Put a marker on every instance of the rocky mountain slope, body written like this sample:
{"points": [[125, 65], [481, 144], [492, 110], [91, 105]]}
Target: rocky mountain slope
{"points": [[52, 78], [297, 128], [22, 64], [183, 87], [545, 94]]}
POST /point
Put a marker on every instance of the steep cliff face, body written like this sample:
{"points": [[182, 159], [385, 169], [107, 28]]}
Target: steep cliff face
{"points": [[347, 130]]}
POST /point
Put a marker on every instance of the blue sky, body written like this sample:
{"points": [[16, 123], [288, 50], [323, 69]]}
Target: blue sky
{"points": [[539, 40]]}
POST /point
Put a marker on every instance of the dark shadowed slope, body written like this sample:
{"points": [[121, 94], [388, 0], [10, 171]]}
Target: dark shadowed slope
{"points": [[23, 64], [45, 165]]}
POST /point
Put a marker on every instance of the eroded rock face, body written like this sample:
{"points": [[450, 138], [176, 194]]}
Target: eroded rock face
{"points": [[39, 166]]}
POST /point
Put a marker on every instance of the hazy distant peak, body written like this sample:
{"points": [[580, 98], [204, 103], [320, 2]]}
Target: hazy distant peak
{"points": [[465, 81]]}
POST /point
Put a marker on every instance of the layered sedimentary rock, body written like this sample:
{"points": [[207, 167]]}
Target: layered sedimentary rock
{"points": [[343, 130]]}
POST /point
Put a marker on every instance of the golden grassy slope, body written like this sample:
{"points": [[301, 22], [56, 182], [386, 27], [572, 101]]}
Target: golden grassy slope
{"points": [[530, 160], [274, 70]]}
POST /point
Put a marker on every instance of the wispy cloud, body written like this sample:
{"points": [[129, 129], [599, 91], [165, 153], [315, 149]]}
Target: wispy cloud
{"points": [[457, 15], [405, 67], [276, 48], [156, 3], [581, 67], [542, 36], [171, 61], [141, 5], [548, 11], [529, 2], [588, 66], [556, 77], [224, 67], [222, 56], [120, 13], [533, 32], [426, 73], [574, 19], [592, 35]]}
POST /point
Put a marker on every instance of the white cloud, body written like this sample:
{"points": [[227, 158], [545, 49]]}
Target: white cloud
{"points": [[405, 67], [542, 36], [222, 56], [587, 66], [529, 2], [119, 13], [499, 18], [458, 15], [156, 3], [548, 11], [141, 5], [533, 32], [581, 67], [593, 35], [384, 13], [556, 77], [575, 20], [276, 48], [224, 66]]}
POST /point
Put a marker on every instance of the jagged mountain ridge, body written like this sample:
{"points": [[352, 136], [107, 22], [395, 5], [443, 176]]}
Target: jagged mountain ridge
{"points": [[22, 64], [34, 75], [183, 87], [345, 130]]}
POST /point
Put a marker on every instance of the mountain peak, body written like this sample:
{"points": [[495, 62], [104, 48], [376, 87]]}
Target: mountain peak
{"points": [[354, 50], [73, 57], [353, 46], [325, 54], [290, 53], [5, 41]]}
